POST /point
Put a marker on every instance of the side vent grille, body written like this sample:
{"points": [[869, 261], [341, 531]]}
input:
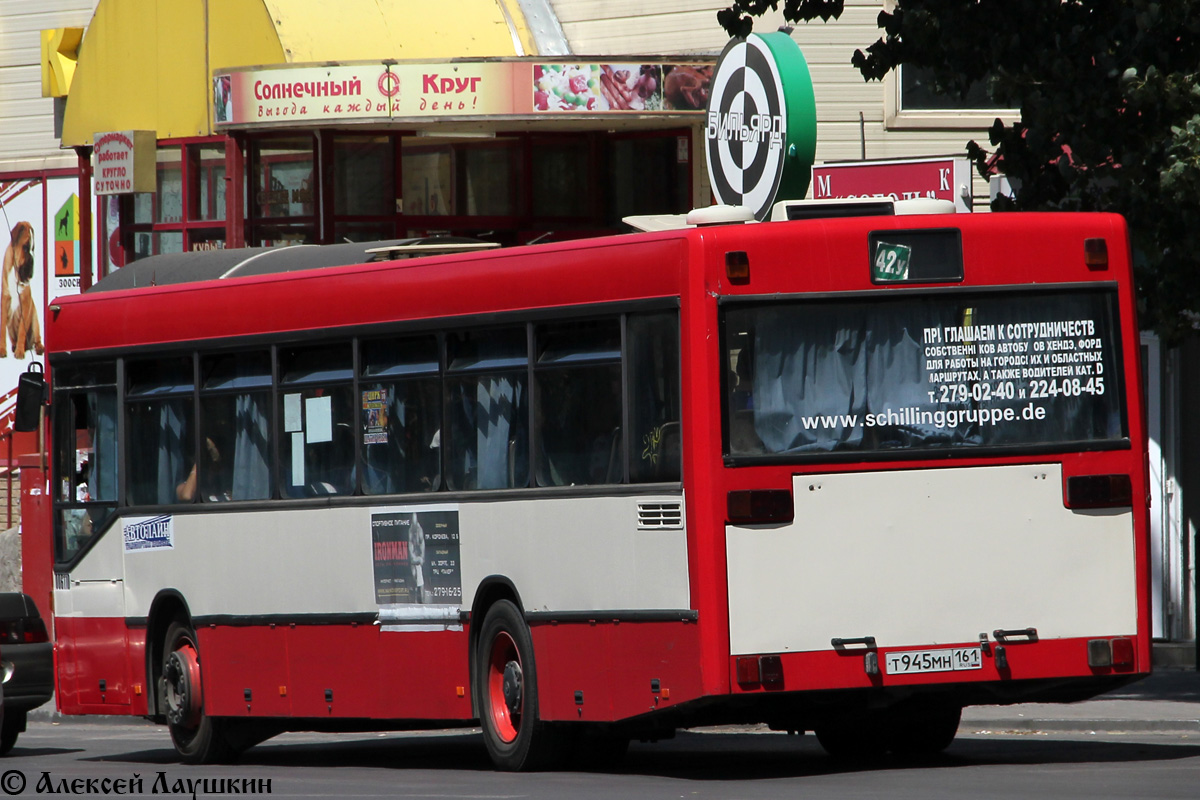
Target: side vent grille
{"points": [[660, 516], [62, 581]]}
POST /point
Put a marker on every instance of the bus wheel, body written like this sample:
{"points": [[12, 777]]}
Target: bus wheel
{"points": [[506, 685], [923, 730], [198, 738], [861, 738]]}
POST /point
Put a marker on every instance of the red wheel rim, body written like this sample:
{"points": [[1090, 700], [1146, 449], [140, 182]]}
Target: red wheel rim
{"points": [[184, 698], [505, 688]]}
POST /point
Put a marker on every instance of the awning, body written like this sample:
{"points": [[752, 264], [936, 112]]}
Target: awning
{"points": [[148, 64]]}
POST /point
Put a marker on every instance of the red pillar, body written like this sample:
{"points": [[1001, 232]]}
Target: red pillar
{"points": [[235, 206], [86, 234]]}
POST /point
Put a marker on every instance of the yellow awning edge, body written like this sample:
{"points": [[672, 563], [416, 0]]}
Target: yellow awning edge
{"points": [[148, 64]]}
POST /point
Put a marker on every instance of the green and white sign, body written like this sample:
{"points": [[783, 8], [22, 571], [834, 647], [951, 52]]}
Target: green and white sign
{"points": [[761, 123], [891, 262]]}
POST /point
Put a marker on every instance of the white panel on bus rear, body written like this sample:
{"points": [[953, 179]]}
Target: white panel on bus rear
{"points": [[930, 556]]}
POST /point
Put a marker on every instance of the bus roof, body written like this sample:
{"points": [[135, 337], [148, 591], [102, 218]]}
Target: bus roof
{"points": [[207, 265]]}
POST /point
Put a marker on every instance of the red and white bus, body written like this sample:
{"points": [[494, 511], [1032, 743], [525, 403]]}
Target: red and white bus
{"points": [[842, 475]]}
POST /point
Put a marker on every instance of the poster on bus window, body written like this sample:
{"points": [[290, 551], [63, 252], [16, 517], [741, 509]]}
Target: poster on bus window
{"points": [[415, 550]]}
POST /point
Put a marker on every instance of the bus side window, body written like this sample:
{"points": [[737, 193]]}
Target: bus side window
{"points": [[487, 411], [161, 418], [401, 415], [235, 427], [85, 456], [578, 401], [652, 345], [316, 443]]}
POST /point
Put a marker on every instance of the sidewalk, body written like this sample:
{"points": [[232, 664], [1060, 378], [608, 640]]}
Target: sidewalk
{"points": [[1168, 701]]}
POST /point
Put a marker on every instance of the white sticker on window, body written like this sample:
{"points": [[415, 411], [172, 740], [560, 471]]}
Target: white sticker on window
{"points": [[318, 419], [297, 459], [291, 413]]}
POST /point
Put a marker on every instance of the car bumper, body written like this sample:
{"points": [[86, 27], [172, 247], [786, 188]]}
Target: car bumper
{"points": [[29, 675]]}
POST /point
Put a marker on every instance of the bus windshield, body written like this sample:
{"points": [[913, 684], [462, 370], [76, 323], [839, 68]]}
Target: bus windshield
{"points": [[933, 371]]}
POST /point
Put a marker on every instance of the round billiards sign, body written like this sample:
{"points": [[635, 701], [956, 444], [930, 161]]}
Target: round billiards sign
{"points": [[761, 123]]}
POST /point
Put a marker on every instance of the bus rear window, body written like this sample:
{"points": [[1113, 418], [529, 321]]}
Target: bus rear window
{"points": [[939, 371]]}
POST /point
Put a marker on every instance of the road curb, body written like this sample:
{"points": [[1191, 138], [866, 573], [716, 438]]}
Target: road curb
{"points": [[1081, 726]]}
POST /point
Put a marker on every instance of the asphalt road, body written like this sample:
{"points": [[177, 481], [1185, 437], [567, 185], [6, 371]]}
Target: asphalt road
{"points": [[694, 766]]}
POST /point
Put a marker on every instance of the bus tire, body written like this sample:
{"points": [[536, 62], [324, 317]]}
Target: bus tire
{"points": [[198, 738], [923, 730], [860, 738], [506, 685], [597, 751]]}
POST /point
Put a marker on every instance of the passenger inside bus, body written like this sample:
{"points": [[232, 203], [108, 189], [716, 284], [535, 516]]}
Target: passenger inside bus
{"points": [[215, 481]]}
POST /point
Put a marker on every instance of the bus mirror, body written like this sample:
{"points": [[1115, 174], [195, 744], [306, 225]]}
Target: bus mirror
{"points": [[31, 396]]}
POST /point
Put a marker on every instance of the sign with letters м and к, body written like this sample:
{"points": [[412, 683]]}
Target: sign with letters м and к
{"points": [[761, 123], [123, 162], [900, 179]]}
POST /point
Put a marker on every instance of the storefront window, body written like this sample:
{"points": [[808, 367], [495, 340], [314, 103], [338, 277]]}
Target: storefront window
{"points": [[363, 231], [187, 210], [283, 178], [491, 179], [646, 175], [560, 179], [153, 244], [170, 186], [363, 176], [429, 182], [206, 187], [284, 235]]}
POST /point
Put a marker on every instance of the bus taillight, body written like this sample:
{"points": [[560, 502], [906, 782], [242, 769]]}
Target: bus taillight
{"points": [[1111, 653], [1099, 491], [763, 506], [764, 671]]}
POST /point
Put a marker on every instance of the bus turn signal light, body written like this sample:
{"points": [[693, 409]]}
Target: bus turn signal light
{"points": [[1095, 253], [764, 506], [737, 266], [1099, 491]]}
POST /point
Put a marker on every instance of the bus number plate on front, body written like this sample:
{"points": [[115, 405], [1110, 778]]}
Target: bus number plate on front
{"points": [[949, 660]]}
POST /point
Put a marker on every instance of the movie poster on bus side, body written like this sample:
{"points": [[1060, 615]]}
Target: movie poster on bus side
{"points": [[416, 555]]}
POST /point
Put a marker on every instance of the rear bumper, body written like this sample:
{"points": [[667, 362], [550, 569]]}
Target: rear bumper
{"points": [[31, 676], [1008, 670]]}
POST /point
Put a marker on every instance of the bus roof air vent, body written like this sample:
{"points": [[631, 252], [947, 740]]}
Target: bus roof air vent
{"points": [[697, 217], [858, 207]]}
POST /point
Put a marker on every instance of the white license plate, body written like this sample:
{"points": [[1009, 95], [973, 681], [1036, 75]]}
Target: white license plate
{"points": [[947, 660]]}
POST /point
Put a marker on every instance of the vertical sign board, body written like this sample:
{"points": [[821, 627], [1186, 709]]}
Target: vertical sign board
{"points": [[761, 131], [937, 178], [66, 238], [123, 162]]}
